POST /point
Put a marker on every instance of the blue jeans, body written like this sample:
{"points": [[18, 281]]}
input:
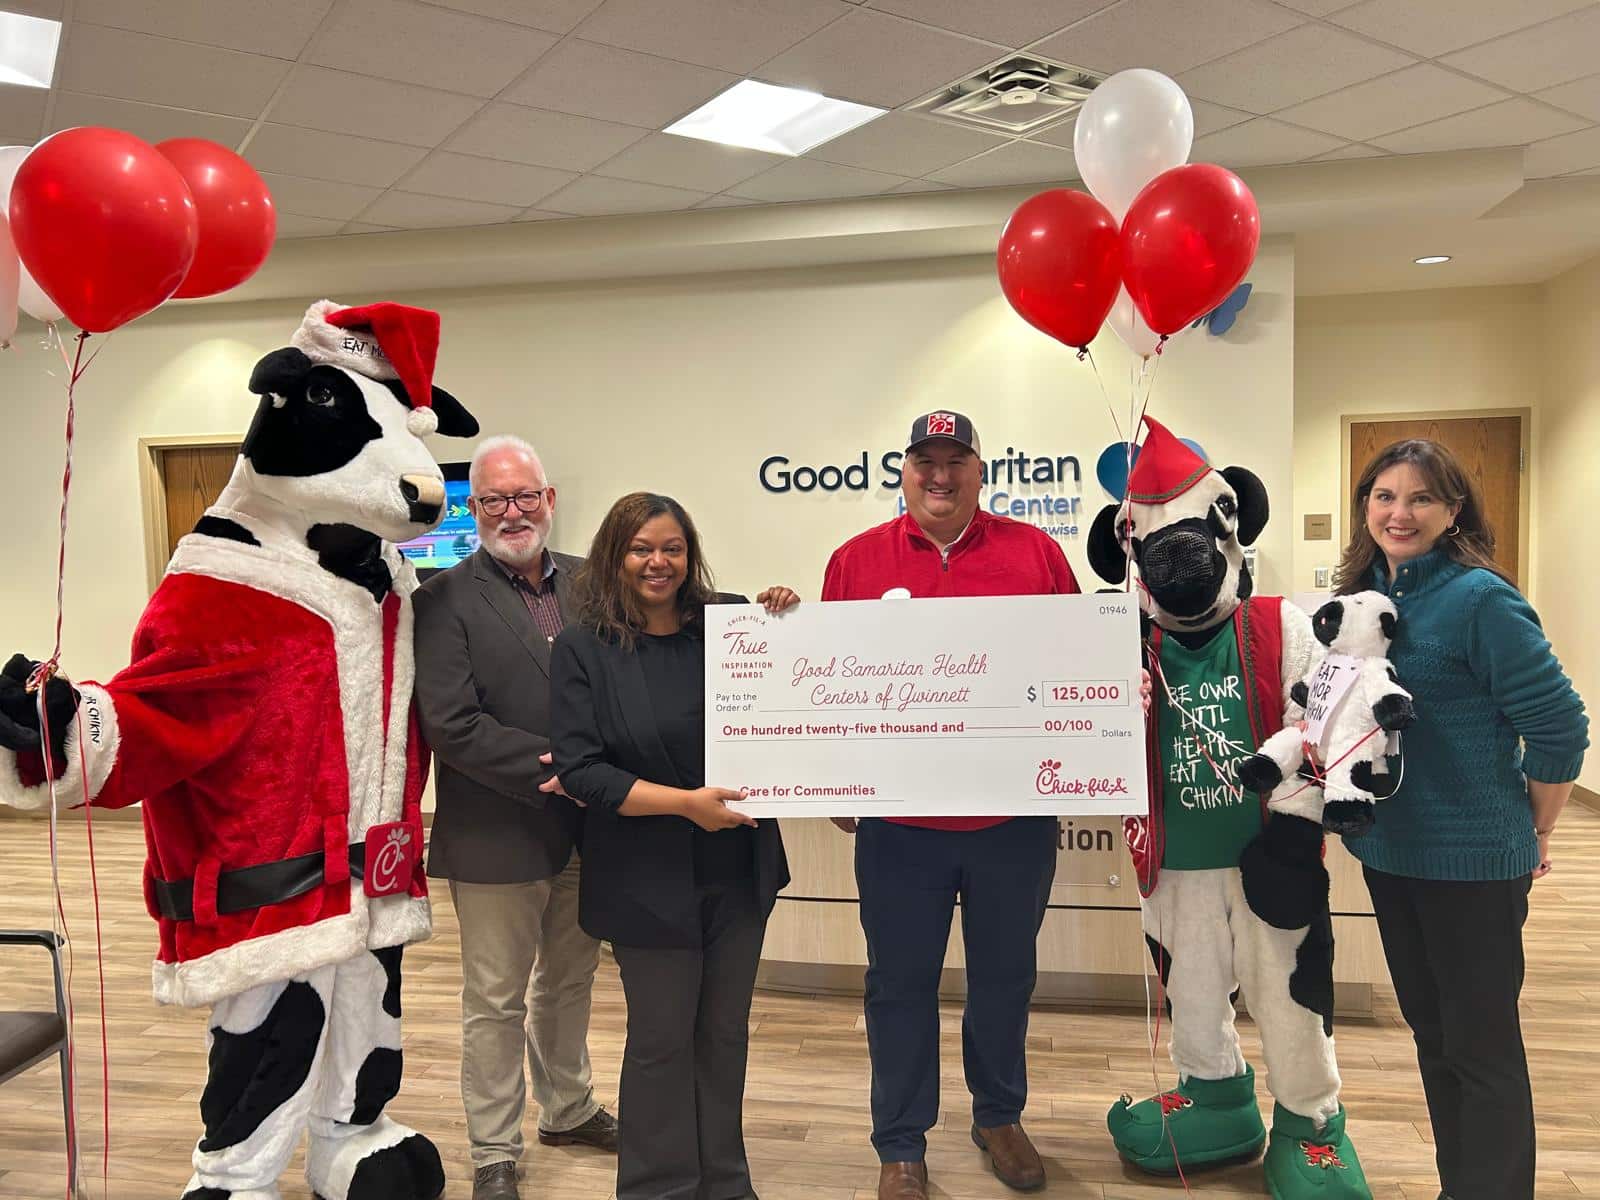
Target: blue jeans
{"points": [[910, 879]]}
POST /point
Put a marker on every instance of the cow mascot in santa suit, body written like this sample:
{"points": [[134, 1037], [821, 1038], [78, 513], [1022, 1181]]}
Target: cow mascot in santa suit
{"points": [[266, 725], [1233, 892]]}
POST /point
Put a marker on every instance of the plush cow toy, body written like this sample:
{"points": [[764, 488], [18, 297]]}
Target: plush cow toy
{"points": [[1228, 896], [1355, 631], [266, 724]]}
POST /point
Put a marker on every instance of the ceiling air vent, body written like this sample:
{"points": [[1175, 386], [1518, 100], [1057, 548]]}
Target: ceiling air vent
{"points": [[1020, 95]]}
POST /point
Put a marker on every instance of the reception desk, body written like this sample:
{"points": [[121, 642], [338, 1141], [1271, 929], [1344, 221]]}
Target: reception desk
{"points": [[1091, 949]]}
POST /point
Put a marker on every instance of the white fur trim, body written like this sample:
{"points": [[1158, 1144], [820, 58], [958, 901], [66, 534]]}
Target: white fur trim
{"points": [[1301, 650], [420, 422], [99, 721], [348, 348]]}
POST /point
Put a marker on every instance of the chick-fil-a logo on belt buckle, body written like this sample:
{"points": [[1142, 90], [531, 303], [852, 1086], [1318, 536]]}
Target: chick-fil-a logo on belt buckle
{"points": [[393, 850]]}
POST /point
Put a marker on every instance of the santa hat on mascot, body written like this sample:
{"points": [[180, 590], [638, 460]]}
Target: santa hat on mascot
{"points": [[383, 341]]}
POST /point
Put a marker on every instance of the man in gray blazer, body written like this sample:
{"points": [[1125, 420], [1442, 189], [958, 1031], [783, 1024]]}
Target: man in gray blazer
{"points": [[503, 833]]}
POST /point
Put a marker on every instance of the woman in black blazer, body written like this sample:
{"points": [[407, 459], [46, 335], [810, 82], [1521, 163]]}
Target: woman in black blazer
{"points": [[679, 883]]}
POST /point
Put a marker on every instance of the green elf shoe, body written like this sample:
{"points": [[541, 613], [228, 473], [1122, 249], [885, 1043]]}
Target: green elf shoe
{"points": [[1307, 1163], [1202, 1123]]}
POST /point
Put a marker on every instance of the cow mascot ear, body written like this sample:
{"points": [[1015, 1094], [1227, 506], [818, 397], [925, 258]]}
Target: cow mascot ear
{"points": [[454, 419], [1106, 555], [1252, 496], [280, 373]]}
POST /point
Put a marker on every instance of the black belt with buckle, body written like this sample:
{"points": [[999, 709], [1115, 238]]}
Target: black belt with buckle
{"points": [[244, 888]]}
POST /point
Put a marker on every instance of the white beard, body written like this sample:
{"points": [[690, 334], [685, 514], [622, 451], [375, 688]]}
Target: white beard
{"points": [[523, 556]]}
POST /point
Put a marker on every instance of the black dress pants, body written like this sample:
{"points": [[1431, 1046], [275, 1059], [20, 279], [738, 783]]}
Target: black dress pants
{"points": [[1455, 954], [681, 1102]]}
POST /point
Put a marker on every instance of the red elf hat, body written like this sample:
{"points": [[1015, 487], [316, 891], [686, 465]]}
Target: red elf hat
{"points": [[1165, 469]]}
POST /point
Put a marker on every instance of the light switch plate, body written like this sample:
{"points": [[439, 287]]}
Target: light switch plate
{"points": [[1321, 577]]}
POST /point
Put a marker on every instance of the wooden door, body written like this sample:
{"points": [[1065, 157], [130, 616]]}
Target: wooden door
{"points": [[1489, 448], [193, 478]]}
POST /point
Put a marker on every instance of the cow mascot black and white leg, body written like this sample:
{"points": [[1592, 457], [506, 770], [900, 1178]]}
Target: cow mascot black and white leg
{"points": [[265, 722], [1233, 893]]}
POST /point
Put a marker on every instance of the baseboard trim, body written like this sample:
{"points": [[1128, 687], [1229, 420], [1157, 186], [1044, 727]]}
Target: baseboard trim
{"points": [[1585, 797]]}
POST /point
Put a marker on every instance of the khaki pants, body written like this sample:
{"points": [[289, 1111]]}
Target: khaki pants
{"points": [[527, 973]]}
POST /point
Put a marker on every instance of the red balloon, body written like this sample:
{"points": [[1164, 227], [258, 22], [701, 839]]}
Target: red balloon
{"points": [[1188, 239], [1060, 264], [104, 224], [237, 219]]}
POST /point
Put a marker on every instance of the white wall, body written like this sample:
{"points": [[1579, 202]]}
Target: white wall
{"points": [[1569, 485], [1396, 352], [680, 385]]}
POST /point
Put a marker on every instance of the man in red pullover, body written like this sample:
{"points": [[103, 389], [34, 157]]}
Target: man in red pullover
{"points": [[910, 870]]}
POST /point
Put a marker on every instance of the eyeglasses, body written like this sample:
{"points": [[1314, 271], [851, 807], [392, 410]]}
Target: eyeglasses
{"points": [[495, 506]]}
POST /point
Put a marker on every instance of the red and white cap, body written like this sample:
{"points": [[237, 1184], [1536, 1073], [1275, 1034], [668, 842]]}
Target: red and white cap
{"points": [[1165, 468], [381, 341]]}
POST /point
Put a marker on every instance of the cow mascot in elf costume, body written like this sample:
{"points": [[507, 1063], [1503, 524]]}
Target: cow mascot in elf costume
{"points": [[1233, 892], [266, 724]]}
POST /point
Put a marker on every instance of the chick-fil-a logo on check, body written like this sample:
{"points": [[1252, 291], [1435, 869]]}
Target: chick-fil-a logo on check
{"points": [[1050, 782]]}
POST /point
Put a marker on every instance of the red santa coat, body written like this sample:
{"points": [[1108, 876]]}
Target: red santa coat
{"points": [[265, 717]]}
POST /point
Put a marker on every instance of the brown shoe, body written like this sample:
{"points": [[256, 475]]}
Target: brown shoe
{"points": [[1011, 1156], [903, 1181], [599, 1131], [497, 1181]]}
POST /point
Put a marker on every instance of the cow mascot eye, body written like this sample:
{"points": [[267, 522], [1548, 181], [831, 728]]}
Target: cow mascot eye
{"points": [[321, 395]]}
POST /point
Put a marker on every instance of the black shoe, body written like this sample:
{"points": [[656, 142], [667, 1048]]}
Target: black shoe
{"points": [[497, 1181], [599, 1131]]}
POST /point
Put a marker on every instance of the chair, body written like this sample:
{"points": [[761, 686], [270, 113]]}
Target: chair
{"points": [[27, 1038]]}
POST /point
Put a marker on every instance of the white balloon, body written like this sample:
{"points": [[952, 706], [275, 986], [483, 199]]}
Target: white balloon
{"points": [[30, 296], [1127, 324], [10, 273], [1132, 127]]}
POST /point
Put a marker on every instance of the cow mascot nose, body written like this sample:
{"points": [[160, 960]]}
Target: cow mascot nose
{"points": [[424, 496]]}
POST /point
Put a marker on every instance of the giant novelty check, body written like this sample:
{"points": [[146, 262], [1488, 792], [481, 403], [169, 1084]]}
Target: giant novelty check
{"points": [[953, 707]]}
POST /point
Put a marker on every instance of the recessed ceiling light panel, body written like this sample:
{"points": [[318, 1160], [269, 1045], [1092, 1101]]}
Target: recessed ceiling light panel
{"points": [[1431, 260], [779, 120], [28, 49]]}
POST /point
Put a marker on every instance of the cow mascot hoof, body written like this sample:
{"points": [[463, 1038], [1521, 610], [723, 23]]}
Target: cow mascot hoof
{"points": [[265, 724], [1232, 891]]}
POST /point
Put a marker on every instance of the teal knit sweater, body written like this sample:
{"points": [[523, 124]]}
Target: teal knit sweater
{"points": [[1470, 650]]}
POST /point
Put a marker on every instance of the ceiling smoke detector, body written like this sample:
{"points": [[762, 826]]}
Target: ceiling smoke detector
{"points": [[1020, 95]]}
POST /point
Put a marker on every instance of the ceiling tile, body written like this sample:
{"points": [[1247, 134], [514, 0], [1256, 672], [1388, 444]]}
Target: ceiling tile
{"points": [[293, 225], [415, 43], [726, 202], [558, 16], [1262, 142], [1563, 155], [612, 84], [1008, 22], [1208, 118], [543, 139], [137, 66], [874, 58], [903, 144], [315, 154], [593, 196], [465, 177], [407, 210], [1166, 35], [1541, 57], [1435, 29], [1304, 62], [1019, 162], [366, 227], [318, 197], [1580, 96], [922, 185], [729, 35], [539, 214], [236, 24], [1315, 8], [804, 179], [1509, 123], [339, 102], [1407, 97], [22, 112], [50, 10], [148, 121], [690, 163]]}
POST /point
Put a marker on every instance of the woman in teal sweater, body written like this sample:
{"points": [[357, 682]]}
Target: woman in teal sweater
{"points": [[1489, 764]]}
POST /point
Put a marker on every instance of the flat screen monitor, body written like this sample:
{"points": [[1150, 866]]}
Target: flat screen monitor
{"points": [[457, 535]]}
